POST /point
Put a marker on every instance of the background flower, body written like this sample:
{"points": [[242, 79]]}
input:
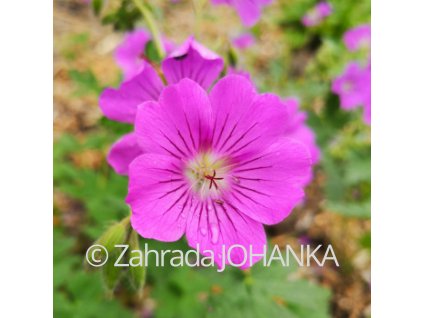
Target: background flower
{"points": [[190, 60], [130, 54], [354, 88], [317, 14], [243, 41], [248, 10], [358, 37]]}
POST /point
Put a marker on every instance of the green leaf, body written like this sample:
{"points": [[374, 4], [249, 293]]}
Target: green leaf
{"points": [[352, 209], [151, 52], [97, 6]]}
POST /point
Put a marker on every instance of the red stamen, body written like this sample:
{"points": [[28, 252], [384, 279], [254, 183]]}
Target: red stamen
{"points": [[213, 179]]}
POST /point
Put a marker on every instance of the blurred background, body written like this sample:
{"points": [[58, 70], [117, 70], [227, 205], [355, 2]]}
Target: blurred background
{"points": [[286, 58]]}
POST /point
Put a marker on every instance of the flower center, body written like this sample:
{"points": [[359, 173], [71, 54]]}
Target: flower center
{"points": [[207, 173]]}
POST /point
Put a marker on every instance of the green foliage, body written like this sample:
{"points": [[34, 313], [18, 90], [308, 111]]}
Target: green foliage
{"points": [[86, 82], [124, 17], [78, 293], [102, 192]]}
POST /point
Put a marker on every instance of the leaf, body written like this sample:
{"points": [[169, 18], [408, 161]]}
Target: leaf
{"points": [[352, 209], [97, 6], [151, 52]]}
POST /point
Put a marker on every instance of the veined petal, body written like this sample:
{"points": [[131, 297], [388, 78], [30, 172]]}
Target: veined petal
{"points": [[269, 186], [123, 152], [194, 61], [244, 121], [121, 104], [179, 124], [158, 196], [215, 227]]}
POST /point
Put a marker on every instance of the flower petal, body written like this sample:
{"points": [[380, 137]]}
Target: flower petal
{"points": [[123, 152], [215, 227], [244, 121], [194, 61], [249, 11], [298, 129], [349, 86], [128, 53], [121, 104], [267, 187], [158, 196], [179, 124], [357, 37]]}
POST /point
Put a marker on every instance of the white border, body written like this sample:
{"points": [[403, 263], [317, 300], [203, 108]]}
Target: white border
{"points": [[26, 137], [397, 158]]}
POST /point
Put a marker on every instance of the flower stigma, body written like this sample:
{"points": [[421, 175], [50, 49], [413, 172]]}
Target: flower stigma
{"points": [[207, 174]]}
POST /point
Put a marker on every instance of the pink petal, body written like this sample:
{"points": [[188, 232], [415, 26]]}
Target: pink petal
{"points": [[158, 196], [213, 226], [194, 61], [355, 95], [179, 124], [128, 53], [244, 41], [357, 37], [244, 121], [268, 186], [249, 11], [121, 104], [298, 129], [123, 152]]}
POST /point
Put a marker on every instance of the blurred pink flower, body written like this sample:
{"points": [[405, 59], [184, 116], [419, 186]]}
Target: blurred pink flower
{"points": [[317, 14], [215, 167], [129, 55], [357, 37], [248, 10], [190, 60], [297, 128], [243, 41], [354, 88]]}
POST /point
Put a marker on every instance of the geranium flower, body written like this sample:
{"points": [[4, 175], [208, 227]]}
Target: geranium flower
{"points": [[243, 41], [248, 10], [317, 14], [297, 128], [191, 60], [215, 167], [354, 88], [357, 37], [129, 55]]}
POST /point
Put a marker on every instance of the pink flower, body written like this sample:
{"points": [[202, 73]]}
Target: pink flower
{"points": [[354, 88], [215, 167], [317, 14], [248, 10], [129, 55], [297, 128], [357, 37], [191, 60], [243, 41]]}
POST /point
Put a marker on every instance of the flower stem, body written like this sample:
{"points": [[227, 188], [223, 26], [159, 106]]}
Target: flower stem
{"points": [[152, 25]]}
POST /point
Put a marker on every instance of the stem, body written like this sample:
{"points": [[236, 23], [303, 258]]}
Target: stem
{"points": [[151, 23]]}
